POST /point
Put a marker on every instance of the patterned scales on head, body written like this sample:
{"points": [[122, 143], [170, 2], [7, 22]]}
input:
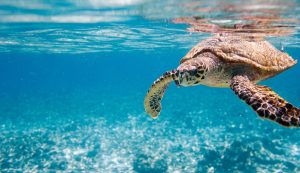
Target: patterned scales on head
{"points": [[236, 62]]}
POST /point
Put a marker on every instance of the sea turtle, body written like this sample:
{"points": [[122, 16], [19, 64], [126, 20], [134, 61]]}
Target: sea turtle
{"points": [[236, 62]]}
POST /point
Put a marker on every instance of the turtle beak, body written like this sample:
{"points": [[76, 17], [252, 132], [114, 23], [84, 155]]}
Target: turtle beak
{"points": [[177, 83]]}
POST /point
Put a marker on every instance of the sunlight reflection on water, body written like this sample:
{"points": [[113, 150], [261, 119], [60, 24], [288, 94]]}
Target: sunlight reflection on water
{"points": [[135, 24]]}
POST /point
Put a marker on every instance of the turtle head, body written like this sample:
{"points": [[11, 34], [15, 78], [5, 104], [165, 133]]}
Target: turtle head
{"points": [[190, 73]]}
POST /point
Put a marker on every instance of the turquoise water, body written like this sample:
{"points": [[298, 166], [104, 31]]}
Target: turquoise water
{"points": [[74, 76]]}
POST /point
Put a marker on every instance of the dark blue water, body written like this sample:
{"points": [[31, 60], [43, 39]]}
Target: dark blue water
{"points": [[71, 96]]}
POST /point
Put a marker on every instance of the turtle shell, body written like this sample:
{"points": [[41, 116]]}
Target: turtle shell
{"points": [[254, 51]]}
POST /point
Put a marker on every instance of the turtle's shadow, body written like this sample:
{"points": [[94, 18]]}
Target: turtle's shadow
{"points": [[230, 159], [146, 164]]}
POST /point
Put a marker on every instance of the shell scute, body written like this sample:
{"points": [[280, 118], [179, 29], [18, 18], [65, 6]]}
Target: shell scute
{"points": [[256, 52]]}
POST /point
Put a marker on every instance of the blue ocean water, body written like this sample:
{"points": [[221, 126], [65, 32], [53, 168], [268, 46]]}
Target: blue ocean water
{"points": [[74, 76]]}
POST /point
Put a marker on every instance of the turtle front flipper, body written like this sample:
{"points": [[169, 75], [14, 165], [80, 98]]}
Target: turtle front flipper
{"points": [[154, 96], [266, 102]]}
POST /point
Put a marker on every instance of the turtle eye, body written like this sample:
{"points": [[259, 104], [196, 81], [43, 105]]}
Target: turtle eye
{"points": [[193, 72], [182, 74]]}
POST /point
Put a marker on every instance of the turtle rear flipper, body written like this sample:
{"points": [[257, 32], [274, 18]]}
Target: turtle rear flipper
{"points": [[154, 96], [266, 102]]}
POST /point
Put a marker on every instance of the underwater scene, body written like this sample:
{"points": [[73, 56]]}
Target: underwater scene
{"points": [[75, 74]]}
